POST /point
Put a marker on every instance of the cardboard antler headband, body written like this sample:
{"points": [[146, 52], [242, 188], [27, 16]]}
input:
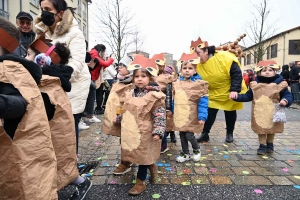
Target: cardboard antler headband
{"points": [[141, 62], [159, 59], [188, 58], [198, 43], [266, 63], [40, 45], [7, 41]]}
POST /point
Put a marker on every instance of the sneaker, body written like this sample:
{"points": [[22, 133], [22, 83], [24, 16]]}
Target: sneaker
{"points": [[94, 119], [82, 126], [164, 149], [81, 190], [197, 155], [123, 168], [262, 149], [183, 157]]}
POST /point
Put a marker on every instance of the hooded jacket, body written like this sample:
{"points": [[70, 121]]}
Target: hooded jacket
{"points": [[67, 31], [96, 72]]}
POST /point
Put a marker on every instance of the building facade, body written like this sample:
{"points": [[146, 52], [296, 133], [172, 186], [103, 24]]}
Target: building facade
{"points": [[145, 54], [285, 47], [10, 8], [169, 58]]}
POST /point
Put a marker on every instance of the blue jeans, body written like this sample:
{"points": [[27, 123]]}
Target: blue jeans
{"points": [[142, 172], [77, 119], [164, 142]]}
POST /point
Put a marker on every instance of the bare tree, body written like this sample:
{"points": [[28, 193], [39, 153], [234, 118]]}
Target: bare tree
{"points": [[116, 24], [260, 31], [137, 41]]}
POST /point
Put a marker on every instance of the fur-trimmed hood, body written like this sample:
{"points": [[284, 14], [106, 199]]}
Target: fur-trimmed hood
{"points": [[62, 27]]}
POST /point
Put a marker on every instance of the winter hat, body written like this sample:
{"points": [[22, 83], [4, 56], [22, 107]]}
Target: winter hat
{"points": [[169, 70], [125, 78], [125, 61]]}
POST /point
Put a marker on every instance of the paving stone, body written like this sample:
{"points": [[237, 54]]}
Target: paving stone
{"points": [[242, 170], [124, 179], [165, 171], [255, 157], [248, 163], [271, 163], [179, 179], [294, 170], [185, 170], [200, 179], [262, 171], [163, 180], [202, 170], [285, 157], [98, 180], [235, 163], [100, 171], [218, 163], [250, 180], [293, 179], [279, 180], [222, 171], [218, 180]]}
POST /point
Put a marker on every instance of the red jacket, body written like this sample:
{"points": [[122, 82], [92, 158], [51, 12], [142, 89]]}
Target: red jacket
{"points": [[246, 79], [96, 72]]}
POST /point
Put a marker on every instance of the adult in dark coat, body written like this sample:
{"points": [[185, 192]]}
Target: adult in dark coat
{"points": [[294, 81], [285, 73]]}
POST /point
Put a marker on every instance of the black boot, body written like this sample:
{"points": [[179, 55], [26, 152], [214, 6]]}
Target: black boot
{"points": [[270, 148], [173, 138], [203, 138], [229, 138], [262, 149]]}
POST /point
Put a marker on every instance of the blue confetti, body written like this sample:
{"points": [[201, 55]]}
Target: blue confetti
{"points": [[169, 169], [148, 176], [160, 164], [226, 156], [81, 166], [167, 165], [105, 164], [88, 175], [297, 186]]}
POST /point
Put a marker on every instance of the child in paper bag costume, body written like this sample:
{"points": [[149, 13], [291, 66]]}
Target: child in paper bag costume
{"points": [[190, 105], [268, 89], [165, 83], [221, 69], [27, 157], [54, 85], [114, 105], [143, 122]]}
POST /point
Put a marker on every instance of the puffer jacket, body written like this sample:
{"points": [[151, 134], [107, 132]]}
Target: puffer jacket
{"points": [[96, 72], [67, 31]]}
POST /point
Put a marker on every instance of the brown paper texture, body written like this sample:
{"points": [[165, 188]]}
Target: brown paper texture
{"points": [[162, 80], [28, 163], [62, 128], [186, 97], [137, 141], [264, 97], [114, 102]]}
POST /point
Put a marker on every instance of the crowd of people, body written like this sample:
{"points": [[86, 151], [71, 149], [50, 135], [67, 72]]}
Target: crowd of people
{"points": [[49, 83]]}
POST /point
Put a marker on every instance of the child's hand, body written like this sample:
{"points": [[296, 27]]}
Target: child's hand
{"points": [[283, 102], [201, 122], [233, 95], [169, 114], [156, 137]]}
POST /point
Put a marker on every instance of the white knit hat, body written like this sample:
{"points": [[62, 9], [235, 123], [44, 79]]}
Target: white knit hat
{"points": [[125, 61]]}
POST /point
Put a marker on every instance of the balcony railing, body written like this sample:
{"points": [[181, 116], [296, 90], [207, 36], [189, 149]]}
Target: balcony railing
{"points": [[84, 15], [4, 14], [35, 2]]}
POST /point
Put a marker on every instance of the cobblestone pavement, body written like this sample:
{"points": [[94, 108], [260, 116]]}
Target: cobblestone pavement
{"points": [[221, 164]]}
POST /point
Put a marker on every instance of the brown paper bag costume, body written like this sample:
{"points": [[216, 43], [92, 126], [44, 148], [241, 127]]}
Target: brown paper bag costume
{"points": [[62, 130], [114, 102], [28, 163], [137, 141], [186, 98], [162, 80], [264, 97]]}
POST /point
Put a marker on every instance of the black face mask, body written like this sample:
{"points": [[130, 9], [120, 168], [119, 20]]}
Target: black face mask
{"points": [[48, 18]]}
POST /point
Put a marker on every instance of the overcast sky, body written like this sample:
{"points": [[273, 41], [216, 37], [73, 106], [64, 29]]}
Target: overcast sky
{"points": [[170, 25]]}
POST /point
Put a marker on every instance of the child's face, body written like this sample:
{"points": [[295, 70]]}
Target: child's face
{"points": [[141, 80], [188, 70], [267, 72], [30, 54], [123, 70]]}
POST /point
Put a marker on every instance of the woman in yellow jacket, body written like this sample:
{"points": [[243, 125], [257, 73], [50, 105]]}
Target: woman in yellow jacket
{"points": [[222, 71]]}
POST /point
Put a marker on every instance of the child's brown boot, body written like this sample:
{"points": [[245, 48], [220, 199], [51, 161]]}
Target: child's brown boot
{"points": [[154, 172], [138, 188], [123, 168]]}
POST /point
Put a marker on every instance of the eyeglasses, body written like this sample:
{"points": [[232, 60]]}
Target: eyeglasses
{"points": [[28, 23]]}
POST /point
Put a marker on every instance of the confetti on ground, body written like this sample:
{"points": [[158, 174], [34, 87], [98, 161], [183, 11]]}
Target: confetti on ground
{"points": [[186, 183], [226, 156], [188, 164], [187, 171], [81, 166], [78, 155], [297, 186], [99, 158], [265, 157], [104, 156], [285, 169], [297, 177], [134, 181], [258, 191], [203, 157], [179, 173], [158, 179], [208, 150], [169, 154], [290, 161], [245, 172], [197, 164], [160, 164], [203, 168], [97, 143], [203, 165], [210, 154], [112, 182], [105, 164], [167, 165], [155, 196], [240, 151], [212, 170], [199, 181], [169, 169], [225, 145], [159, 172]]}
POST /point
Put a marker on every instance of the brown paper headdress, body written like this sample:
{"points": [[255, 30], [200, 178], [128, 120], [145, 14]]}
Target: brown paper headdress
{"points": [[141, 62], [7, 41], [188, 58], [233, 47], [40, 45], [159, 59], [198, 43], [266, 63]]}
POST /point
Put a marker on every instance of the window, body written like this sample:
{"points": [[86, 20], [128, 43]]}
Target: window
{"points": [[249, 59], [35, 2], [255, 57], [84, 30], [33, 14], [79, 23], [274, 51], [294, 47], [245, 61], [3, 9], [79, 7], [84, 12], [268, 53]]}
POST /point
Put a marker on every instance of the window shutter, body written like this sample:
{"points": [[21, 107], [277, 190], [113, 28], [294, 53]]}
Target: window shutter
{"points": [[291, 47]]}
